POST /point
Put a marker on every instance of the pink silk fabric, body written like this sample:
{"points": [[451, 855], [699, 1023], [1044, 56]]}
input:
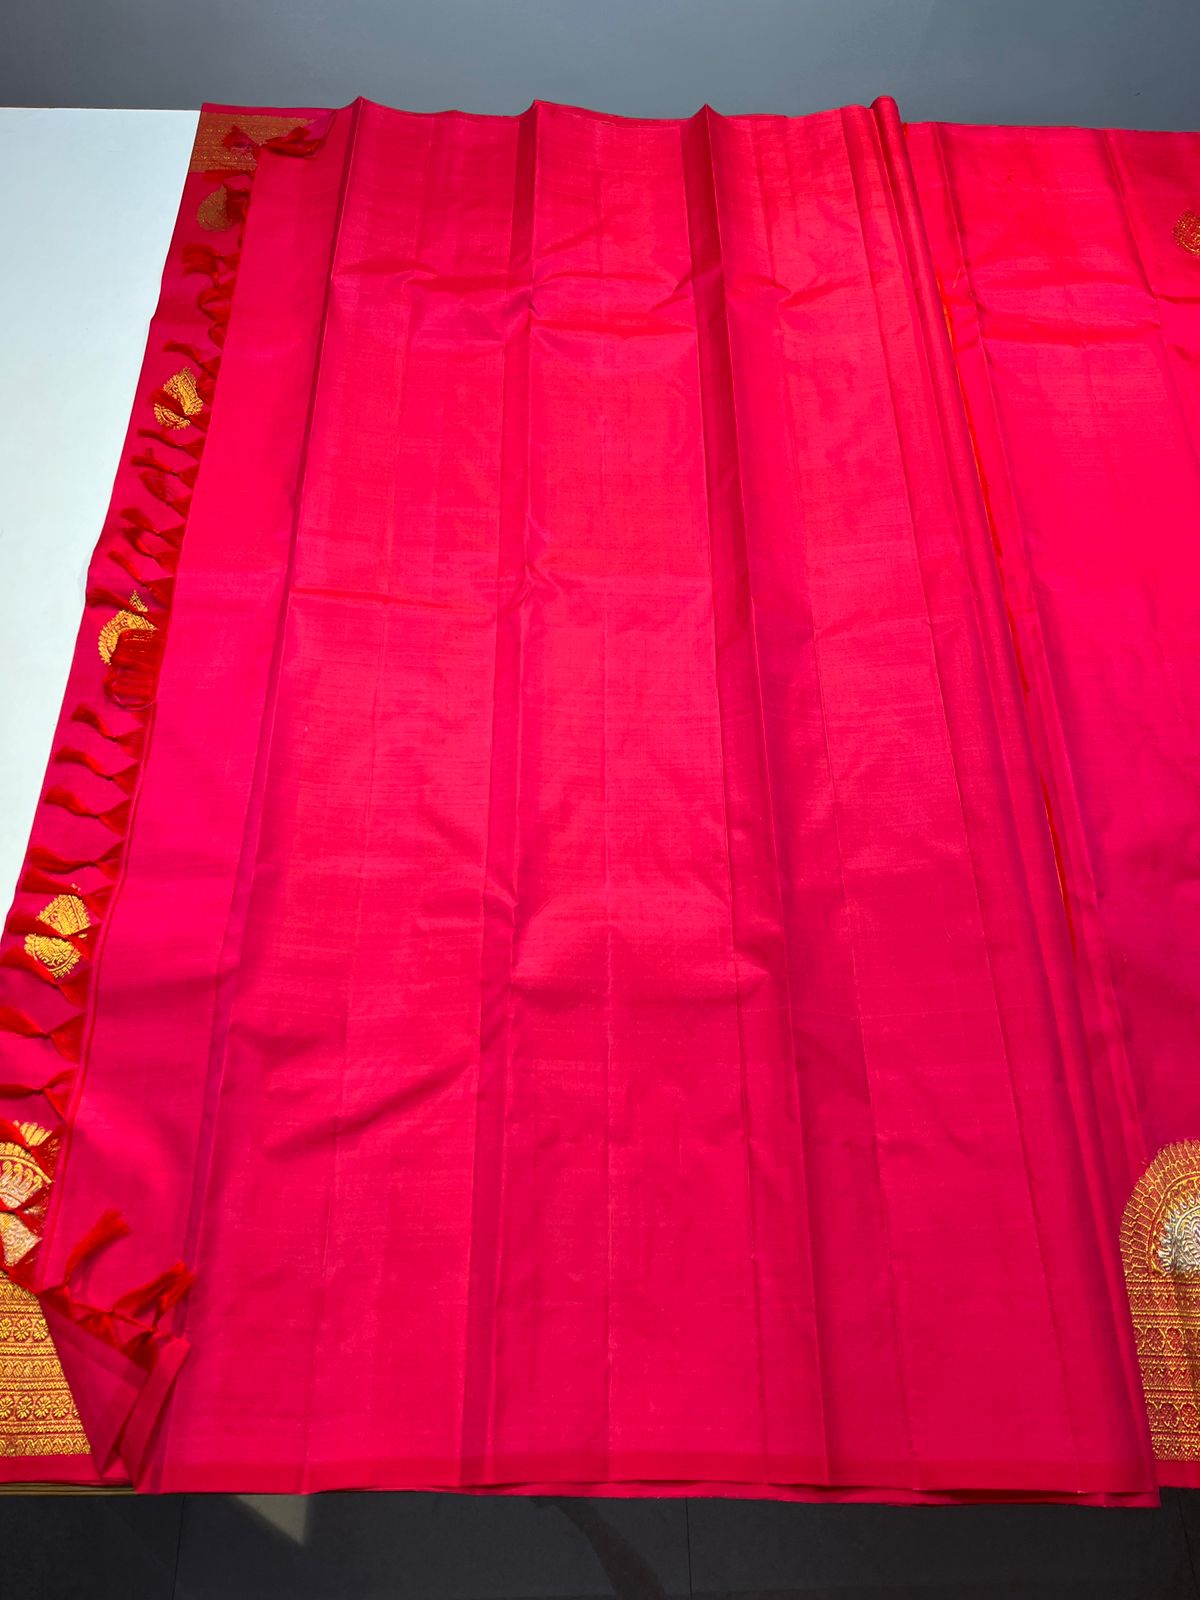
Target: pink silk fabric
{"points": [[652, 928]]}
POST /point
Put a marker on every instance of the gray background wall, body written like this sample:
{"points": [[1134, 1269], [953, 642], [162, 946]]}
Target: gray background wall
{"points": [[1115, 62]]}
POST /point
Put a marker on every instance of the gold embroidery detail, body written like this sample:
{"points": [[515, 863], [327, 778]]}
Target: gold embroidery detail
{"points": [[210, 153], [55, 954], [181, 386], [119, 622], [16, 1240], [1160, 1247], [66, 914], [37, 1414], [213, 211], [21, 1181], [1187, 232]]}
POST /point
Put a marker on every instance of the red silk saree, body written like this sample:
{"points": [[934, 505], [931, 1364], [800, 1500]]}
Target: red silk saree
{"points": [[613, 909]]}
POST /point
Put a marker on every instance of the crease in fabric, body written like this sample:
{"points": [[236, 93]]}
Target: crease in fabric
{"points": [[964, 811], [499, 887], [1001, 671]]}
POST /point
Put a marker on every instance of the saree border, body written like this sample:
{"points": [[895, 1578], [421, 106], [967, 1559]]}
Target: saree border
{"points": [[53, 937], [1160, 1248]]}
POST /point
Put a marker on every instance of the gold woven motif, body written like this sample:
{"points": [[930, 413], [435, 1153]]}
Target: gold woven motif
{"points": [[213, 211], [1160, 1247], [210, 153], [118, 623], [66, 914], [1187, 232], [37, 1414], [181, 386], [57, 955], [22, 1181]]}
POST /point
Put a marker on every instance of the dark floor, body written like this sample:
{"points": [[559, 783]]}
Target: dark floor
{"points": [[448, 1547]]}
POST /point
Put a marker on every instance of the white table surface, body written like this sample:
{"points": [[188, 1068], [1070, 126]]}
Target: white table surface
{"points": [[87, 204]]}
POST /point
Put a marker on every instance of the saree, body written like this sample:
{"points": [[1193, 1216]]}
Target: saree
{"points": [[613, 907]]}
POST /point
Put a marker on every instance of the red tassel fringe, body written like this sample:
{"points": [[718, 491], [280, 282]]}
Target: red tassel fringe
{"points": [[66, 1038], [132, 676], [143, 546], [35, 881], [116, 817], [73, 990], [108, 862], [104, 1230], [131, 741]]}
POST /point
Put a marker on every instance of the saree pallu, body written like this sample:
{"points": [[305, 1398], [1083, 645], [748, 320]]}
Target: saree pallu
{"points": [[614, 907]]}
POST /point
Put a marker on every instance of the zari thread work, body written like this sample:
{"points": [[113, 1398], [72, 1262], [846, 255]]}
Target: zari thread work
{"points": [[37, 1414], [1160, 1248]]}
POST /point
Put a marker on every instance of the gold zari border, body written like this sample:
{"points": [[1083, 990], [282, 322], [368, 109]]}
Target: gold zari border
{"points": [[1160, 1248], [210, 153], [37, 1414]]}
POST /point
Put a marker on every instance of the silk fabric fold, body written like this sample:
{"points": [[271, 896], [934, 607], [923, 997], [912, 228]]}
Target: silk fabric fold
{"points": [[636, 827]]}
